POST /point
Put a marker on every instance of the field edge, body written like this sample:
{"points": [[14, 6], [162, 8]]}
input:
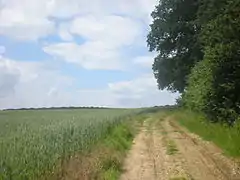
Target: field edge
{"points": [[104, 160]]}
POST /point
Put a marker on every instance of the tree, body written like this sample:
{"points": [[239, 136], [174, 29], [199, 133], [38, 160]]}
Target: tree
{"points": [[174, 35], [214, 83]]}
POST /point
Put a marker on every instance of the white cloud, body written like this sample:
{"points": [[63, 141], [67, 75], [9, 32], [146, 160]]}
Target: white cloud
{"points": [[141, 92], [31, 84], [8, 79], [106, 29], [135, 8], [27, 84], [25, 19], [115, 31], [144, 61], [91, 55], [104, 36], [139, 85], [64, 32], [29, 19]]}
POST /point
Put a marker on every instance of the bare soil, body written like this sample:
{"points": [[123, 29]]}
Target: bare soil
{"points": [[165, 151]]}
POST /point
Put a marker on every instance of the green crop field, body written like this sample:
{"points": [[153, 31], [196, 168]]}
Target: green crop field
{"points": [[35, 143]]}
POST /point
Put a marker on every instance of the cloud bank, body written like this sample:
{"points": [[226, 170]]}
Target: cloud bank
{"points": [[100, 38]]}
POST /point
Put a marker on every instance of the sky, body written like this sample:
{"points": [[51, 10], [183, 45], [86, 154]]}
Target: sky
{"points": [[77, 53]]}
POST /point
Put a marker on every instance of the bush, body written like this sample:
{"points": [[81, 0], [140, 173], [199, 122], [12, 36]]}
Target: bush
{"points": [[214, 83]]}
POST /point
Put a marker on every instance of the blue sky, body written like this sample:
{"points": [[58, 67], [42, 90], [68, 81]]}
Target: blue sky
{"points": [[78, 53]]}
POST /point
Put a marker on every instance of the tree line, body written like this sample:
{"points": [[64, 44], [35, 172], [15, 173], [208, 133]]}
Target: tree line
{"points": [[198, 47], [58, 108]]}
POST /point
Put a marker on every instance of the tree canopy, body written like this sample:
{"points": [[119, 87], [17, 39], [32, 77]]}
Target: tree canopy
{"points": [[198, 45], [174, 33]]}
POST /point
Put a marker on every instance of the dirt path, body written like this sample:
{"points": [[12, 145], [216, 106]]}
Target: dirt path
{"points": [[145, 160], [165, 151]]}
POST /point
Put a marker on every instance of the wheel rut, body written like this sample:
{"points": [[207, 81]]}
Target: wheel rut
{"points": [[165, 151]]}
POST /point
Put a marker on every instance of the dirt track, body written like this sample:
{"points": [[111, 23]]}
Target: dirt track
{"points": [[163, 151]]}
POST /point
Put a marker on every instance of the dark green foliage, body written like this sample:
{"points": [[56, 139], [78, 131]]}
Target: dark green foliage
{"points": [[214, 83], [173, 35], [198, 42], [199, 88], [223, 100]]}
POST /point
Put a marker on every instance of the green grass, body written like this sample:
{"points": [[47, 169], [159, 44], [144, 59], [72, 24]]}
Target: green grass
{"points": [[110, 174], [225, 137], [118, 143], [34, 144], [178, 178], [171, 147]]}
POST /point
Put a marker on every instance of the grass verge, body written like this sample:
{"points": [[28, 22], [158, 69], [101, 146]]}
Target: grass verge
{"points": [[225, 137], [104, 161]]}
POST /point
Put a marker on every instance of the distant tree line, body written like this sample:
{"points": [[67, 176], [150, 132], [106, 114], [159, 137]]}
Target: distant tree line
{"points": [[198, 47], [145, 110], [58, 108]]}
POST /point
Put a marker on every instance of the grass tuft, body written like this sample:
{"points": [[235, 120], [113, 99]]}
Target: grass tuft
{"points": [[178, 178], [171, 148]]}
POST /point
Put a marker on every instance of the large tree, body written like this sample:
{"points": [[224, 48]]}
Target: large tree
{"points": [[174, 35]]}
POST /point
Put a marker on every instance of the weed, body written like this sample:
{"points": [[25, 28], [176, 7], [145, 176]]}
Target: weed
{"points": [[171, 148], [163, 132], [110, 174], [178, 178]]}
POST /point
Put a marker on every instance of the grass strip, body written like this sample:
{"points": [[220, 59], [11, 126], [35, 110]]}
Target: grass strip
{"points": [[225, 137], [104, 161]]}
